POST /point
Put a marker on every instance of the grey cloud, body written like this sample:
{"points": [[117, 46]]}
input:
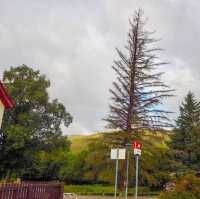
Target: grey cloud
{"points": [[73, 43]]}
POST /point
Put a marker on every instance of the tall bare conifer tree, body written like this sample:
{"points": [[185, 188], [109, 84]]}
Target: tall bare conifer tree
{"points": [[138, 89]]}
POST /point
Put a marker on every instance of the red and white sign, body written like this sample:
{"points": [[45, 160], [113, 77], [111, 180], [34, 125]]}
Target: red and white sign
{"points": [[137, 146]]}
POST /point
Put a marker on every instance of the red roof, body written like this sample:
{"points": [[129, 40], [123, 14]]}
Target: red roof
{"points": [[5, 97]]}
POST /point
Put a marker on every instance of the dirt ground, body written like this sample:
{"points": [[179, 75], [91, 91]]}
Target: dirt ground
{"points": [[101, 197]]}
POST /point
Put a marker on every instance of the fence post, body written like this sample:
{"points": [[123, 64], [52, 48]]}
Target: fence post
{"points": [[61, 190], [29, 190]]}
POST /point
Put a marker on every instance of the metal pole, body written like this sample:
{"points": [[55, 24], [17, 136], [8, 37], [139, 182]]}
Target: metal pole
{"points": [[116, 173], [127, 172], [136, 177]]}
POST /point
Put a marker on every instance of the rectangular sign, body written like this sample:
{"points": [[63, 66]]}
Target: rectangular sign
{"points": [[113, 154], [118, 154], [122, 154], [137, 151]]}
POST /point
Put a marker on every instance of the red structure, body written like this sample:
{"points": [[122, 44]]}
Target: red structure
{"points": [[31, 191]]}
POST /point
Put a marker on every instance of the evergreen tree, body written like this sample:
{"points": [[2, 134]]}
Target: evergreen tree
{"points": [[138, 90], [186, 138]]}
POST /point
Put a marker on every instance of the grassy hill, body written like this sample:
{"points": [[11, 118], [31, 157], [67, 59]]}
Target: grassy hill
{"points": [[154, 157], [80, 142]]}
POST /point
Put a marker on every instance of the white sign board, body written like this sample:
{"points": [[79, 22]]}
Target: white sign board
{"points": [[119, 154], [137, 152]]}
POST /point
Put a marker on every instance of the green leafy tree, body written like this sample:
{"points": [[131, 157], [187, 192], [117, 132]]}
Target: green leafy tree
{"points": [[98, 168], [34, 125], [47, 165], [186, 138], [73, 170]]}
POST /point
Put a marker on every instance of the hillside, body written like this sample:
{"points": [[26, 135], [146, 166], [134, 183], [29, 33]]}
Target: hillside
{"points": [[80, 142]]}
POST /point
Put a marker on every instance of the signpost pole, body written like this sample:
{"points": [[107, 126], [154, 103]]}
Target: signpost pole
{"points": [[117, 154], [116, 173], [137, 145], [136, 177], [128, 147], [127, 172]]}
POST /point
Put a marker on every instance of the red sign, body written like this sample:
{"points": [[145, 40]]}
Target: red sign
{"points": [[137, 145]]}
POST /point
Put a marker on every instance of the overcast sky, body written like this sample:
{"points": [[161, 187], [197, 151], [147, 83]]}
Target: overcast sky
{"points": [[73, 43]]}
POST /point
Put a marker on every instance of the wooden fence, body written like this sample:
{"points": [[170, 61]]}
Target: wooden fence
{"points": [[31, 191]]}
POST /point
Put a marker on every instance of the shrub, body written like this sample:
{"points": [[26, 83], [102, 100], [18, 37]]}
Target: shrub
{"points": [[178, 195], [187, 187]]}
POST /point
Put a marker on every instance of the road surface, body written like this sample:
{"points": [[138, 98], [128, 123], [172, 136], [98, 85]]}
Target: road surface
{"points": [[105, 197]]}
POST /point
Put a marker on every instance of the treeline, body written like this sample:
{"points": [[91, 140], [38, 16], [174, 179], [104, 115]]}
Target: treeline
{"points": [[166, 154], [97, 167], [33, 147]]}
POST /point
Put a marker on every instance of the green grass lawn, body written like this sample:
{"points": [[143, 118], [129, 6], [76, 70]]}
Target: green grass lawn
{"points": [[99, 189]]}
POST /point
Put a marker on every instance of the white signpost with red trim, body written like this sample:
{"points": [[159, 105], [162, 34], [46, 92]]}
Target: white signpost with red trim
{"points": [[137, 146]]}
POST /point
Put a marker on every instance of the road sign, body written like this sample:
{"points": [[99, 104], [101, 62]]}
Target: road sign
{"points": [[137, 152], [119, 154], [137, 146]]}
